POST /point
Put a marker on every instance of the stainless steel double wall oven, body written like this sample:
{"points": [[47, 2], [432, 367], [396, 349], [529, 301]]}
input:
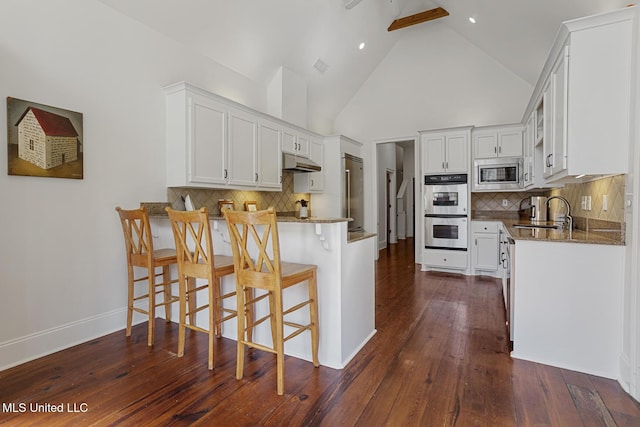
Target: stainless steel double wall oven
{"points": [[445, 211]]}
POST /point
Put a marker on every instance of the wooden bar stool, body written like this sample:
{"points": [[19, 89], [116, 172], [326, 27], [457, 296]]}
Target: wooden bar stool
{"points": [[251, 233], [196, 260], [140, 253]]}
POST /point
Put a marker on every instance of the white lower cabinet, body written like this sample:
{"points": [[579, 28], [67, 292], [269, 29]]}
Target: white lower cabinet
{"points": [[485, 247], [446, 259]]}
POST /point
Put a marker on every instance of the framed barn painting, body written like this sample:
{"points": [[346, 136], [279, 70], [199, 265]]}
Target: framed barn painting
{"points": [[43, 140]]}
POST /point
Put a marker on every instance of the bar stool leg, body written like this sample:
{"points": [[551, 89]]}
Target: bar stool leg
{"points": [[241, 310], [152, 303], [313, 312], [129, 300], [182, 284], [166, 282], [279, 338]]}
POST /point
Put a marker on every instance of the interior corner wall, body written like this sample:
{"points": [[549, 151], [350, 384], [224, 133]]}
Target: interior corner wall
{"points": [[287, 97], [294, 98], [274, 94], [62, 259]]}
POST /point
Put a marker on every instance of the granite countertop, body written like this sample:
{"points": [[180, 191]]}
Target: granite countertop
{"points": [[586, 231], [555, 235], [280, 218], [354, 236], [156, 210]]}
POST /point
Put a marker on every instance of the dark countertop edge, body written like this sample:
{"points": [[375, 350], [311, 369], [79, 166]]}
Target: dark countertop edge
{"points": [[311, 220]]}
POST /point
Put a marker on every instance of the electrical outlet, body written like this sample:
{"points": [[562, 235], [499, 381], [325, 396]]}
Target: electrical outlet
{"points": [[605, 203], [505, 203], [583, 203]]}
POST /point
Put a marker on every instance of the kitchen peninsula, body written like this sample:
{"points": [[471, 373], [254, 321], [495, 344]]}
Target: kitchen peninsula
{"points": [[346, 286]]}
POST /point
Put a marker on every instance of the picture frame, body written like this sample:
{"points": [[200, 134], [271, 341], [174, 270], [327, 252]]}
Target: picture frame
{"points": [[44, 140], [225, 204], [250, 206]]}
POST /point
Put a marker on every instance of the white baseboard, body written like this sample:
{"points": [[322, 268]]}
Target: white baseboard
{"points": [[29, 347]]}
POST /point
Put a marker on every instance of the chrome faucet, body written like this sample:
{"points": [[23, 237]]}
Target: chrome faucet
{"points": [[568, 219]]}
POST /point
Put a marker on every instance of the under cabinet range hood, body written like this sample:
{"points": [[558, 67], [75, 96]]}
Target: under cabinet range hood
{"points": [[294, 163]]}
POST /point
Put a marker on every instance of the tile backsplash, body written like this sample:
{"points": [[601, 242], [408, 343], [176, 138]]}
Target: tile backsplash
{"points": [[612, 187], [282, 201]]}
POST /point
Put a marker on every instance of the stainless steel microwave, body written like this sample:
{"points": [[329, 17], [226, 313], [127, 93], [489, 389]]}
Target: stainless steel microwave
{"points": [[498, 174]]}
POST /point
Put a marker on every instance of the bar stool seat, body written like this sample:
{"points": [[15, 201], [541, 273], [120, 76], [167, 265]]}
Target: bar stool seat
{"points": [[197, 260], [252, 234], [142, 255]]}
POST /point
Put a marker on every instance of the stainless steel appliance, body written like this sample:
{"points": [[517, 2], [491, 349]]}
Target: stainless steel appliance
{"points": [[498, 174], [445, 194], [538, 209], [446, 232], [445, 212], [299, 164], [353, 205], [507, 256]]}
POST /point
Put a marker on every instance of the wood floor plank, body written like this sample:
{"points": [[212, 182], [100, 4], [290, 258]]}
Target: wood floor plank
{"points": [[439, 358]]}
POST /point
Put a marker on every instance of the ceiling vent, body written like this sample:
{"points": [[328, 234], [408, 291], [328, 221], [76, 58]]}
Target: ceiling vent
{"points": [[348, 4], [320, 65]]}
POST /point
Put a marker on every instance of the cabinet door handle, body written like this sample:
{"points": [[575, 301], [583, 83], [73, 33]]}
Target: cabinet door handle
{"points": [[500, 149], [280, 179], [476, 241], [312, 182], [443, 165], [495, 150], [256, 177], [549, 156], [225, 174]]}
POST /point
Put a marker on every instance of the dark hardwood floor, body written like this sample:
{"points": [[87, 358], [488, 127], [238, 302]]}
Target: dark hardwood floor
{"points": [[439, 358]]}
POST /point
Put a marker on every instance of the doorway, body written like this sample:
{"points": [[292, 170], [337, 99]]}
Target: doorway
{"points": [[396, 200]]}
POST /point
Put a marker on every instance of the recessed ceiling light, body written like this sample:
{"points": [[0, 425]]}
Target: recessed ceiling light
{"points": [[472, 19], [361, 46]]}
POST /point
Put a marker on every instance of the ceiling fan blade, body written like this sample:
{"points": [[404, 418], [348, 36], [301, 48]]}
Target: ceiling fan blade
{"points": [[418, 18]]}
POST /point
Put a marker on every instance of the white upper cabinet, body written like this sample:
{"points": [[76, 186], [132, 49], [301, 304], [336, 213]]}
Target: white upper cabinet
{"points": [[213, 142], [445, 151], [196, 140], [294, 142], [243, 147], [497, 141], [311, 182], [584, 95], [528, 144]]}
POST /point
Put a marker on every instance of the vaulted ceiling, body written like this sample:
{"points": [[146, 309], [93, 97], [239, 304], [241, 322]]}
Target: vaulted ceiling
{"points": [[256, 37]]}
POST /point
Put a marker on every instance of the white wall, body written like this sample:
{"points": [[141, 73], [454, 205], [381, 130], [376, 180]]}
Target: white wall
{"points": [[430, 81], [62, 262]]}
